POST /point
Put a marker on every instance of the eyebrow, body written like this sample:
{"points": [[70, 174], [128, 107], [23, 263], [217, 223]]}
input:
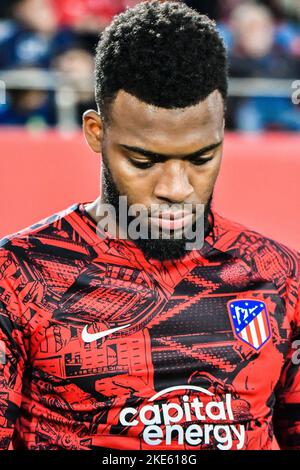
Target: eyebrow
{"points": [[162, 156]]}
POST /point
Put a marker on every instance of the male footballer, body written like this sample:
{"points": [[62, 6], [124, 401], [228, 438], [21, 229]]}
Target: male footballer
{"points": [[145, 337]]}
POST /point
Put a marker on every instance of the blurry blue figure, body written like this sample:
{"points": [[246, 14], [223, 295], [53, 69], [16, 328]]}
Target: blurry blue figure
{"points": [[33, 36], [261, 113], [27, 48], [28, 108], [260, 51]]}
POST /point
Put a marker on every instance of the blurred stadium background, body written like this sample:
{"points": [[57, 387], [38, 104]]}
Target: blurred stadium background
{"points": [[46, 74]]}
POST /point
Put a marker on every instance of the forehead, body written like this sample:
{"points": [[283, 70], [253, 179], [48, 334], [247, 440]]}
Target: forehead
{"points": [[142, 124]]}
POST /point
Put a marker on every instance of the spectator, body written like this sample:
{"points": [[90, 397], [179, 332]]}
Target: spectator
{"points": [[262, 37], [30, 40], [36, 37], [77, 65], [31, 108], [256, 54]]}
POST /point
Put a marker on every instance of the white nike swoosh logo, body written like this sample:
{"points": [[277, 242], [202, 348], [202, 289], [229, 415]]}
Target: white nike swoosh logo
{"points": [[89, 337]]}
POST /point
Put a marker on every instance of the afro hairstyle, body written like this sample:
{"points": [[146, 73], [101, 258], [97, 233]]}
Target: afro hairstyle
{"points": [[165, 54]]}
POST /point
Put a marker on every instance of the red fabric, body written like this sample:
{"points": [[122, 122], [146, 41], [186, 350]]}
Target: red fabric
{"points": [[70, 11], [169, 371]]}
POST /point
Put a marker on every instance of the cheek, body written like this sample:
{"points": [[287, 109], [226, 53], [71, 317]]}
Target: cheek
{"points": [[214, 173], [203, 181]]}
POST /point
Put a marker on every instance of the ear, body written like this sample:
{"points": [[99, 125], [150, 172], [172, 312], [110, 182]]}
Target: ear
{"points": [[93, 130]]}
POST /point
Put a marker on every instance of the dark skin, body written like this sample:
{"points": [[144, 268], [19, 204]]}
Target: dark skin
{"points": [[157, 155]]}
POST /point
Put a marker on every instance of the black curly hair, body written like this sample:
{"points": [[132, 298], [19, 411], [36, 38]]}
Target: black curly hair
{"points": [[165, 54]]}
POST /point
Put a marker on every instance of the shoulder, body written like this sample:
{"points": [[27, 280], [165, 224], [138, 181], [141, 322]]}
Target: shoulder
{"points": [[51, 230], [272, 259]]}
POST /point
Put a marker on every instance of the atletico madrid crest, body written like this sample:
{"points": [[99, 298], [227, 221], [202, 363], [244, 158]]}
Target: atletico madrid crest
{"points": [[250, 321]]}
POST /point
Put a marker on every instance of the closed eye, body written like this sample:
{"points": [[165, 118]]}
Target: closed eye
{"points": [[142, 165], [201, 161], [149, 164]]}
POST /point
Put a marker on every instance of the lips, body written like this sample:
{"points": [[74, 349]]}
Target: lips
{"points": [[172, 220], [173, 215]]}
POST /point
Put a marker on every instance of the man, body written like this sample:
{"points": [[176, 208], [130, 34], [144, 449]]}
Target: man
{"points": [[132, 342]]}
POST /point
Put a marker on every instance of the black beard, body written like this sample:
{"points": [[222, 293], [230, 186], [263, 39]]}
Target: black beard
{"points": [[159, 249]]}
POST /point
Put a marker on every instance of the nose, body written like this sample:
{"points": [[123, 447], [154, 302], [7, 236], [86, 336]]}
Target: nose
{"points": [[173, 183]]}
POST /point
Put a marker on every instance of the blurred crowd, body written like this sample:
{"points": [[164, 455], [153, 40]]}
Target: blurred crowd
{"points": [[262, 37]]}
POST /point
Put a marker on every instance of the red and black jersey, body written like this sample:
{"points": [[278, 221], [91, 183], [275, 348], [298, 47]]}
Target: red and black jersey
{"points": [[101, 347]]}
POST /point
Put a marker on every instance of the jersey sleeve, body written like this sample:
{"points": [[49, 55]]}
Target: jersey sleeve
{"points": [[12, 348], [287, 407]]}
